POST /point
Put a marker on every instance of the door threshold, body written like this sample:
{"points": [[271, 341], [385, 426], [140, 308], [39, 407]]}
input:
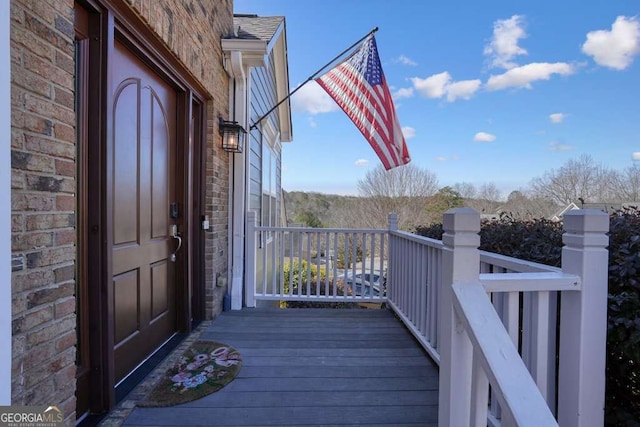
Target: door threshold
{"points": [[127, 384]]}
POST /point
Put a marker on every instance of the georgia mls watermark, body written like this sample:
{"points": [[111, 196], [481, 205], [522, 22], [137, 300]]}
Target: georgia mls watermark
{"points": [[31, 416]]}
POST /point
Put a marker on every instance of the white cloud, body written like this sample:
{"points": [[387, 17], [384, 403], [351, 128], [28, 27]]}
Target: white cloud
{"points": [[439, 85], [463, 89], [504, 44], [311, 98], [433, 86], [635, 155], [408, 132], [446, 159], [523, 76], [557, 117], [362, 163], [484, 137], [312, 122], [405, 60], [405, 92], [556, 146], [616, 48]]}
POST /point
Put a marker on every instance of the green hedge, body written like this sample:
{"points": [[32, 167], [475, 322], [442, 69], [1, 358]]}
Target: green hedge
{"points": [[541, 241]]}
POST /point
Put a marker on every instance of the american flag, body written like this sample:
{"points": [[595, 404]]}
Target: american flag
{"points": [[358, 86]]}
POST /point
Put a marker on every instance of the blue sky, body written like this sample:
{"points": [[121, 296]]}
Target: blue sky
{"points": [[496, 91]]}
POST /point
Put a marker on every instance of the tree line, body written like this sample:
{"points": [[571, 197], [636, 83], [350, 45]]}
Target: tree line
{"points": [[415, 194]]}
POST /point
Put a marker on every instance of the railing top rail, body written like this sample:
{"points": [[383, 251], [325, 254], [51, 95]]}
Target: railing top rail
{"points": [[323, 230], [515, 264], [530, 282], [417, 238], [499, 358]]}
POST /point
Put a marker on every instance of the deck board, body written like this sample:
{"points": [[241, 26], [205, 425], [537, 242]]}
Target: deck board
{"points": [[305, 367]]}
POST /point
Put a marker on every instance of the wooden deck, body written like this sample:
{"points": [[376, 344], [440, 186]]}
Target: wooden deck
{"points": [[313, 367]]}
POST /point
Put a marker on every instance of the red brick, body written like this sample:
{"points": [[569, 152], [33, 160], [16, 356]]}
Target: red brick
{"points": [[17, 180], [31, 280], [64, 98], [68, 408], [65, 376], [65, 237], [17, 223], [32, 319], [31, 202], [49, 295], [18, 304], [37, 144], [65, 273], [36, 124], [26, 242], [17, 139], [48, 221], [50, 184], [50, 332], [31, 42], [41, 393], [34, 83], [50, 256], [47, 33], [65, 202], [47, 108], [31, 162], [64, 132], [47, 70], [65, 168], [66, 341]]}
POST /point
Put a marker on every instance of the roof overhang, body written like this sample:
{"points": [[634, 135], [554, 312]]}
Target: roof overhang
{"points": [[253, 51], [282, 85]]}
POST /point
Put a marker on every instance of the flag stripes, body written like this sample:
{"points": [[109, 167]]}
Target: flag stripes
{"points": [[358, 86]]}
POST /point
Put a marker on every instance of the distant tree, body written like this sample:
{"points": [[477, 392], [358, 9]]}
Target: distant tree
{"points": [[310, 219], [521, 205], [484, 199], [466, 189], [626, 185], [446, 198], [403, 190], [580, 178]]}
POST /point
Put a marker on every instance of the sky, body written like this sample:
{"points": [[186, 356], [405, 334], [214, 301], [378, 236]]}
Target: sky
{"points": [[486, 92]]}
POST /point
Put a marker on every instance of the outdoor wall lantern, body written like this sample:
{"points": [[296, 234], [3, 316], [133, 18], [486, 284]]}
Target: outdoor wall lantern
{"points": [[232, 136]]}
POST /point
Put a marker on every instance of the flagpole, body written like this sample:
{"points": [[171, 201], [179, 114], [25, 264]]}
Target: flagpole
{"points": [[255, 124]]}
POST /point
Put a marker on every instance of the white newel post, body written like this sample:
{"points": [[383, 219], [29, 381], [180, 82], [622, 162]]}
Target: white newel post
{"points": [[250, 268], [392, 291], [583, 320], [460, 263]]}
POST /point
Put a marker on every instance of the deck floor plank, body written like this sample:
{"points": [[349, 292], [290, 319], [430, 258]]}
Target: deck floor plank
{"points": [[310, 367]]}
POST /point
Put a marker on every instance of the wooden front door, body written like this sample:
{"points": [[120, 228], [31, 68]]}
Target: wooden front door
{"points": [[143, 182]]}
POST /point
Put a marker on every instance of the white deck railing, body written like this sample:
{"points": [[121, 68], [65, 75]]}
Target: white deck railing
{"points": [[491, 322], [316, 264]]}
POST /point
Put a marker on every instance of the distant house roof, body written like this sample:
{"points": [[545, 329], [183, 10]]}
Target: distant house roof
{"points": [[558, 215], [254, 27], [610, 207]]}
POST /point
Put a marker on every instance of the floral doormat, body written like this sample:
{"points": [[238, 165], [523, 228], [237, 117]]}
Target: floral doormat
{"points": [[204, 368]]}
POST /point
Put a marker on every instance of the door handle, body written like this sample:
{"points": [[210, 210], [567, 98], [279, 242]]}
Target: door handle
{"points": [[173, 232]]}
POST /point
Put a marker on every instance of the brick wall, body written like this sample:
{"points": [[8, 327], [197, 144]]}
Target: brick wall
{"points": [[192, 30], [42, 203], [43, 178]]}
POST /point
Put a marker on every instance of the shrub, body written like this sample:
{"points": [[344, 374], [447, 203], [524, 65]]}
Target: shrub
{"points": [[540, 240], [301, 271]]}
